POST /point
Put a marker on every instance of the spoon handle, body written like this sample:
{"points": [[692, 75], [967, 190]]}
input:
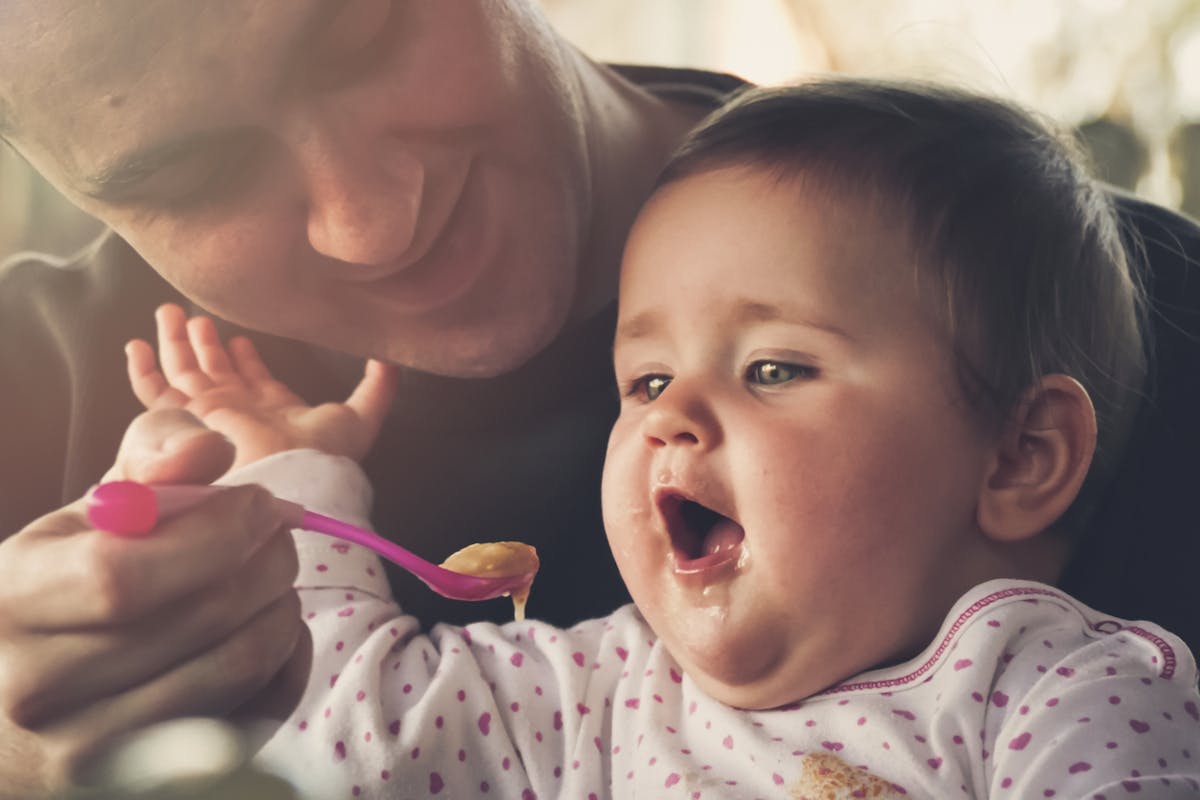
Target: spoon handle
{"points": [[129, 508], [425, 570]]}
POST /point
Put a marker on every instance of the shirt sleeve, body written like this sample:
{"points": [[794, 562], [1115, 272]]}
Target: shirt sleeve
{"points": [[1115, 718], [518, 710]]}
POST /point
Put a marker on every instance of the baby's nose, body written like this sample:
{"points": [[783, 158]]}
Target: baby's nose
{"points": [[681, 416]]}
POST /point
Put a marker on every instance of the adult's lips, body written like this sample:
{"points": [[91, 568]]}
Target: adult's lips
{"points": [[701, 537]]}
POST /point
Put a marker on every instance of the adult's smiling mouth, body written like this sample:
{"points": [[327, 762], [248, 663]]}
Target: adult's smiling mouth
{"points": [[703, 539]]}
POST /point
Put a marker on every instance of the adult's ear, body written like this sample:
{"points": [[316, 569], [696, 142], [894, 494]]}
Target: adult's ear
{"points": [[1041, 460]]}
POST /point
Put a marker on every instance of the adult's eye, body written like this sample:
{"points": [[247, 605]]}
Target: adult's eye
{"points": [[210, 184], [773, 373]]}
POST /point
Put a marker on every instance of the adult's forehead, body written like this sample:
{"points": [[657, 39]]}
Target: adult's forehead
{"points": [[78, 74]]}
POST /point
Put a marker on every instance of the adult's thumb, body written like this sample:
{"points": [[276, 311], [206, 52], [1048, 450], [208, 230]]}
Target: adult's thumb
{"points": [[169, 445]]}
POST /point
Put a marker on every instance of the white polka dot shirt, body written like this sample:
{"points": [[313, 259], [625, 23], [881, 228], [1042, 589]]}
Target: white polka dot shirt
{"points": [[1025, 693]]}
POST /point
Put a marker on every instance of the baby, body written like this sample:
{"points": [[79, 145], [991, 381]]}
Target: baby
{"points": [[870, 338]]}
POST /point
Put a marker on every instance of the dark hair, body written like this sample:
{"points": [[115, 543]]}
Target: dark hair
{"points": [[1021, 244]]}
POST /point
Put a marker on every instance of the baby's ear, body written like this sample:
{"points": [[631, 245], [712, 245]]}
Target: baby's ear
{"points": [[1040, 462]]}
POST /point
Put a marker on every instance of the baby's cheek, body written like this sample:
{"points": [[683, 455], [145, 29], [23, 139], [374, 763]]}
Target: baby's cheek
{"points": [[618, 484], [626, 522]]}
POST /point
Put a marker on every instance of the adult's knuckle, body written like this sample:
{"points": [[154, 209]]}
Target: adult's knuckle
{"points": [[283, 622], [208, 614], [249, 659], [290, 610], [238, 667], [106, 587], [280, 564], [256, 507], [25, 698]]}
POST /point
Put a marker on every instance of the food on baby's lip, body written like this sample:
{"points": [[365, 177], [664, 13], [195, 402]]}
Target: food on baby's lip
{"points": [[498, 560]]}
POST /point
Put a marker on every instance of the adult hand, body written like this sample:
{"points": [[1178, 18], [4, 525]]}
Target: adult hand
{"points": [[101, 634]]}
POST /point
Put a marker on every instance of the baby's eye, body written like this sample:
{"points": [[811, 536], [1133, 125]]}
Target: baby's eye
{"points": [[772, 373], [649, 387]]}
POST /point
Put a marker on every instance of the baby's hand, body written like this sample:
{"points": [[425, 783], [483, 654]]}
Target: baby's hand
{"points": [[232, 391]]}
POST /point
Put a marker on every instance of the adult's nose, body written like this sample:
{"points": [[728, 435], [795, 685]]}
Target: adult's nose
{"points": [[363, 198], [682, 415]]}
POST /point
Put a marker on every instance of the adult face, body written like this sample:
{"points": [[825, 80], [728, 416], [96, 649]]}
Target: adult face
{"points": [[793, 477], [397, 179]]}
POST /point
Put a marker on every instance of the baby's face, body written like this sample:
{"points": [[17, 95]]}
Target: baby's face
{"points": [[790, 489]]}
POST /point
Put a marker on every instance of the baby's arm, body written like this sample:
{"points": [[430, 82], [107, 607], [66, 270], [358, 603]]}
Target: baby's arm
{"points": [[231, 391], [486, 710], [1117, 718], [386, 706]]}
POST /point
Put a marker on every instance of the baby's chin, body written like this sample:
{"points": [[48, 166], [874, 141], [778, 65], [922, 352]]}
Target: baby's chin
{"points": [[761, 695], [765, 669], [782, 673], [751, 675]]}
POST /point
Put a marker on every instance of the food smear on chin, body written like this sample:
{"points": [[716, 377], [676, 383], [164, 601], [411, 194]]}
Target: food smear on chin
{"points": [[498, 560]]}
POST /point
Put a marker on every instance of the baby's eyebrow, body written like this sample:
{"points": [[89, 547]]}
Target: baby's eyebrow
{"points": [[756, 311], [649, 322], [639, 326]]}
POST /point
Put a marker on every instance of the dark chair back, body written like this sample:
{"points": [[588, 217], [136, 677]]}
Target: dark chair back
{"points": [[1141, 557]]}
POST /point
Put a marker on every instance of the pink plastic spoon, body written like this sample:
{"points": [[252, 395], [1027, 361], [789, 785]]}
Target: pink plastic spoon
{"points": [[128, 508]]}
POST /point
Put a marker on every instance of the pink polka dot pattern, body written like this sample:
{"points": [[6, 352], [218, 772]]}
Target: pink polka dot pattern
{"points": [[1024, 693]]}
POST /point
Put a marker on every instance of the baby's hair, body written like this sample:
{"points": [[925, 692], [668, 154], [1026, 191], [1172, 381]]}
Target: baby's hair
{"points": [[1020, 245]]}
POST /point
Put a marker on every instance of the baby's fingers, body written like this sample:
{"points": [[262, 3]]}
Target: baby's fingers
{"points": [[148, 384], [179, 363], [372, 398], [248, 363], [207, 347]]}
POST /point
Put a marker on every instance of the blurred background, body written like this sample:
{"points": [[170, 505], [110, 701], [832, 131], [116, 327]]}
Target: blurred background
{"points": [[1124, 73]]}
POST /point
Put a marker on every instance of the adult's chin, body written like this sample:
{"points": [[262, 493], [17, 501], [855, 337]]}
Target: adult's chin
{"points": [[484, 350]]}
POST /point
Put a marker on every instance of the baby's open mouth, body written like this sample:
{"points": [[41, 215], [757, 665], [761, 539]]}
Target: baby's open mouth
{"points": [[701, 537]]}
